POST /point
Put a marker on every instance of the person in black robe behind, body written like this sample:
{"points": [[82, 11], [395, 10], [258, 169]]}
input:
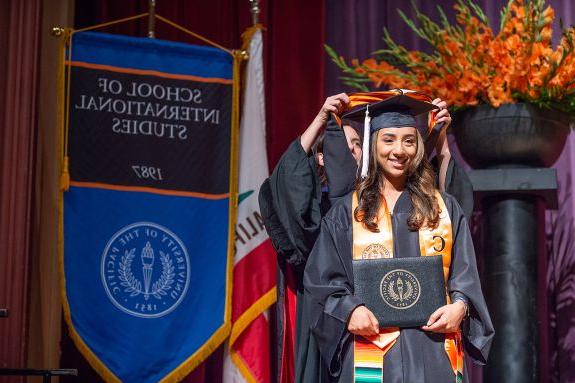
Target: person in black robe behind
{"points": [[334, 313], [293, 201], [292, 204]]}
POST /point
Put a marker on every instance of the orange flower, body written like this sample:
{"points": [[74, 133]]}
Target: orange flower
{"points": [[518, 10], [471, 64], [548, 15], [370, 63]]}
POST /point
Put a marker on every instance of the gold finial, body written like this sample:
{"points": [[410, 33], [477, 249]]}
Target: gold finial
{"points": [[57, 31], [241, 53]]}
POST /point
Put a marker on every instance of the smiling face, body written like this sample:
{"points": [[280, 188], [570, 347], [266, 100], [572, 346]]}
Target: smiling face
{"points": [[397, 152]]}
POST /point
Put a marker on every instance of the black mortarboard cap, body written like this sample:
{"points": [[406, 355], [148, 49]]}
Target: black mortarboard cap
{"points": [[396, 111]]}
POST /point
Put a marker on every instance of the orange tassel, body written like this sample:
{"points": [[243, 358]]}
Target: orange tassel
{"points": [[65, 177]]}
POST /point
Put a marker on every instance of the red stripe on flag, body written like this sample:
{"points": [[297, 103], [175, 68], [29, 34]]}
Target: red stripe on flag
{"points": [[287, 368], [253, 346], [254, 276]]}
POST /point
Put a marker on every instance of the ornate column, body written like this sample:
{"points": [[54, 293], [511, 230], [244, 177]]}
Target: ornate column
{"points": [[512, 148], [513, 204]]}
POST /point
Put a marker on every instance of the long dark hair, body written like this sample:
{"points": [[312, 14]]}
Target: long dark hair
{"points": [[420, 184], [317, 149]]}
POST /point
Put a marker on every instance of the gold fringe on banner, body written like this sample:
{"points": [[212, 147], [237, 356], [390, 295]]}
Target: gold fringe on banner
{"points": [[61, 99], [221, 334]]}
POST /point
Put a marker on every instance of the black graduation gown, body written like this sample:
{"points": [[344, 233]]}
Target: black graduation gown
{"points": [[417, 356], [292, 204]]}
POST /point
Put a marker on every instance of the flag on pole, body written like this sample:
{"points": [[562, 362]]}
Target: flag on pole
{"points": [[254, 288]]}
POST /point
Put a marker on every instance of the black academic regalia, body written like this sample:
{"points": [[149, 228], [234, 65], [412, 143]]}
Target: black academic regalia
{"points": [[292, 204], [417, 356]]}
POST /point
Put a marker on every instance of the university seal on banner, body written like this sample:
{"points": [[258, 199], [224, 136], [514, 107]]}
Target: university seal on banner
{"points": [[145, 270], [400, 289]]}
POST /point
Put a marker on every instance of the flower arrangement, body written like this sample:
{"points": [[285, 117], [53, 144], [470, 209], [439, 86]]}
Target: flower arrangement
{"points": [[470, 64]]}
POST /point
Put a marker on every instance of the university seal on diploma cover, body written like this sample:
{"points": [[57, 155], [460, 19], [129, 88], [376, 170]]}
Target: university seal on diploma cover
{"points": [[400, 289], [401, 292]]}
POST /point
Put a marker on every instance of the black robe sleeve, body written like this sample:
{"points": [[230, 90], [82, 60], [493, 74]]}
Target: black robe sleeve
{"points": [[340, 166], [327, 286], [277, 233], [458, 184], [464, 280], [295, 192]]}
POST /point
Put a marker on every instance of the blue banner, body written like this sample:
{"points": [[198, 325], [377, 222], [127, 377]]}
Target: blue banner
{"points": [[146, 261]]}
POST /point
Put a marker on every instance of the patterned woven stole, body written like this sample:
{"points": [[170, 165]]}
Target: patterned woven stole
{"points": [[369, 353]]}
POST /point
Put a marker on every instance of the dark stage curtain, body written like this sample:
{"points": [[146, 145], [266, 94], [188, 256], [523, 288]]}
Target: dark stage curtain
{"points": [[293, 64], [354, 28], [19, 43]]}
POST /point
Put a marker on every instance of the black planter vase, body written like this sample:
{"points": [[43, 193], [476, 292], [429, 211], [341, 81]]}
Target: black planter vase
{"points": [[513, 135]]}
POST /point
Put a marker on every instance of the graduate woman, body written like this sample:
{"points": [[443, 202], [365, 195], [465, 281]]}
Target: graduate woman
{"points": [[394, 212]]}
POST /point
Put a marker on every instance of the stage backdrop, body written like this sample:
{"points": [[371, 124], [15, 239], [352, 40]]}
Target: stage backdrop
{"points": [[146, 252]]}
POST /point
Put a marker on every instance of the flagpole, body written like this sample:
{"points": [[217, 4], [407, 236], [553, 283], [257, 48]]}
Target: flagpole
{"points": [[255, 11], [152, 19]]}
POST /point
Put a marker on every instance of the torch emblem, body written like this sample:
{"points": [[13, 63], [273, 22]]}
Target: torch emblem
{"points": [[147, 267], [164, 264], [400, 289]]}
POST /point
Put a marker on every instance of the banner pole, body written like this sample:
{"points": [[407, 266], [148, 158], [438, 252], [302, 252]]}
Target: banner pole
{"points": [[152, 19], [57, 31]]}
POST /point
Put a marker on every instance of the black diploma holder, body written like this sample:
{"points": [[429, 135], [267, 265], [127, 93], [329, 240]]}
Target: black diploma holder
{"points": [[401, 292]]}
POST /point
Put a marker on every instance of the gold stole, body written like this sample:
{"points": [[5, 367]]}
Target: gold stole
{"points": [[369, 245]]}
